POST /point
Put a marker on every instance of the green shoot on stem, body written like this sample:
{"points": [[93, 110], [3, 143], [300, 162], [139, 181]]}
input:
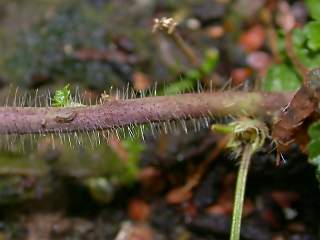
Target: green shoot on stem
{"points": [[247, 137]]}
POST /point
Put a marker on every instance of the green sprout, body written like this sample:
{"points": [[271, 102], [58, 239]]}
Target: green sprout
{"points": [[247, 136], [242, 132], [62, 98]]}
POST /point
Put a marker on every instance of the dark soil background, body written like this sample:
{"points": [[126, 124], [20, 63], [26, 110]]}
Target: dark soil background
{"points": [[133, 189]]}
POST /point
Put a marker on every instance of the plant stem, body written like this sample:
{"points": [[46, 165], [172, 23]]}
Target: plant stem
{"points": [[120, 113], [301, 69], [186, 49], [240, 191]]}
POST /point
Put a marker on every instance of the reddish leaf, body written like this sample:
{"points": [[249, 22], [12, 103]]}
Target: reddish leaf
{"points": [[293, 119]]}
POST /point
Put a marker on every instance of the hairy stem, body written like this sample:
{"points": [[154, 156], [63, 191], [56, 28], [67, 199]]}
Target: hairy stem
{"points": [[119, 113], [240, 191]]}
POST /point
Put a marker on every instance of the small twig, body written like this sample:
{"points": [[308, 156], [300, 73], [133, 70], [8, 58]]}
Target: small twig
{"points": [[272, 37], [168, 25], [288, 23], [240, 191], [186, 49], [203, 167], [184, 193], [299, 66]]}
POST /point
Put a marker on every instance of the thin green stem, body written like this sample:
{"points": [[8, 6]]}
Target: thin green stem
{"points": [[240, 190]]}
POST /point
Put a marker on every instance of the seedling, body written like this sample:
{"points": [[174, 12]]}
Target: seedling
{"points": [[247, 136]]}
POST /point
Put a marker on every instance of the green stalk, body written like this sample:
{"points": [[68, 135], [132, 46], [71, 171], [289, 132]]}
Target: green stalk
{"points": [[240, 190]]}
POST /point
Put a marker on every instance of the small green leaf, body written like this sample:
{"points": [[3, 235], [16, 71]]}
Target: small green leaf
{"points": [[62, 97], [298, 37], [306, 55], [314, 130], [312, 31], [314, 147], [179, 87], [314, 152], [314, 8], [193, 75], [281, 78], [210, 62]]}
